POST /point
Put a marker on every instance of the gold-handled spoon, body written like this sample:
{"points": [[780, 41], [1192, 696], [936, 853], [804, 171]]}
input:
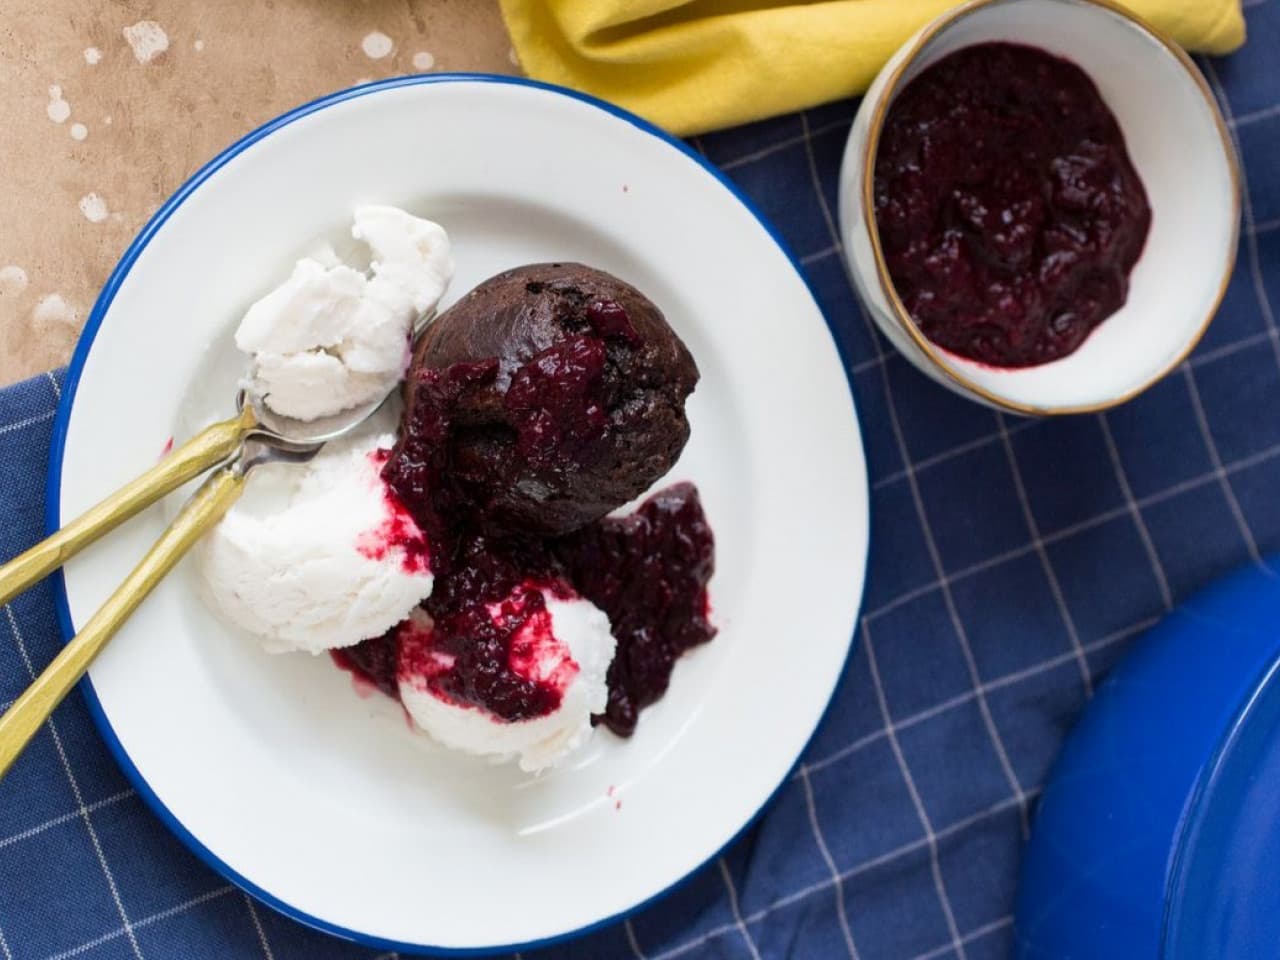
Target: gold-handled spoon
{"points": [[253, 436]]}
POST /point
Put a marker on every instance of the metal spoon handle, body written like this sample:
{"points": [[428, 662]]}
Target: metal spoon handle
{"points": [[205, 508], [208, 448]]}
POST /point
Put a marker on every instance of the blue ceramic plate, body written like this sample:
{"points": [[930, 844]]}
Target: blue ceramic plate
{"points": [[1158, 834]]}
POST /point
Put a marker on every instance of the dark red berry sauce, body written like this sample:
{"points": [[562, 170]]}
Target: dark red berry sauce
{"points": [[375, 660], [397, 530], [554, 401], [1008, 209], [648, 571], [484, 637], [608, 318], [502, 654]]}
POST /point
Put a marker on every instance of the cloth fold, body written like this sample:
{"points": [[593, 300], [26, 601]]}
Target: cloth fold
{"points": [[697, 65]]}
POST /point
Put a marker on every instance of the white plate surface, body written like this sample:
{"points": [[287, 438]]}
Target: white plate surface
{"points": [[325, 804]]}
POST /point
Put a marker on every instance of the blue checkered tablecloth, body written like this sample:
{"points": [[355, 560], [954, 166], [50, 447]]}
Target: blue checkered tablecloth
{"points": [[1011, 563]]}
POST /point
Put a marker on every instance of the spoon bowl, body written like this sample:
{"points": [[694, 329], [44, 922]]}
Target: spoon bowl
{"points": [[290, 433]]}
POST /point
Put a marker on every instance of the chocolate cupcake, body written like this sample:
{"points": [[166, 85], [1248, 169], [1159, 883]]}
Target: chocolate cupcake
{"points": [[574, 402]]}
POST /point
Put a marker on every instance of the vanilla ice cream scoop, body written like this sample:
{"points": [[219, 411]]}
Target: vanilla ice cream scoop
{"points": [[554, 666], [331, 338], [320, 555]]}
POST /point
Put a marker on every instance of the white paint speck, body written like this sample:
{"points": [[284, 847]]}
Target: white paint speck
{"points": [[13, 280], [58, 109], [52, 309], [360, 80], [92, 55], [422, 60], [511, 55], [376, 45], [93, 207], [148, 40], [199, 45], [107, 120], [79, 131]]}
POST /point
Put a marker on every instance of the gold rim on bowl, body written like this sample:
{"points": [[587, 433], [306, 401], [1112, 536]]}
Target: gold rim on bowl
{"points": [[903, 318]]}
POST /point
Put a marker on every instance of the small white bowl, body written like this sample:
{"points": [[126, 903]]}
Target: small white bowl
{"points": [[1179, 144]]}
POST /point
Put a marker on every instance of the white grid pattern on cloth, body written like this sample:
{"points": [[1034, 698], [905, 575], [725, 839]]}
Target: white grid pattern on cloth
{"points": [[30, 832], [930, 838], [83, 809], [1081, 526], [257, 926], [1253, 116], [1246, 204], [959, 450], [874, 863], [1133, 507], [1220, 474], [956, 623], [825, 851], [1199, 359], [988, 686], [146, 921], [939, 883], [206, 897], [976, 934], [632, 941], [734, 909], [1259, 286], [1139, 523], [805, 137], [1046, 564], [28, 422]]}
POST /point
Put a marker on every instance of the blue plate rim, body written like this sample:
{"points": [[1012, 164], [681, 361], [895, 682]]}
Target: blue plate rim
{"points": [[1208, 776], [53, 489]]}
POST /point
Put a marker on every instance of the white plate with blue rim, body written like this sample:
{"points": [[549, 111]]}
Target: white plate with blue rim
{"points": [[325, 805]]}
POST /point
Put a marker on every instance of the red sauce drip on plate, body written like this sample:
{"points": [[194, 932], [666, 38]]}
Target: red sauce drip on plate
{"points": [[397, 531]]}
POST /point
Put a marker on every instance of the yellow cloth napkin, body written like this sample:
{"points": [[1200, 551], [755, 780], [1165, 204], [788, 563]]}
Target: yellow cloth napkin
{"points": [[695, 65]]}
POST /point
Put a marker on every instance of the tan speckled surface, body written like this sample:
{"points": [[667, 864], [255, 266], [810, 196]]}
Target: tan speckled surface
{"points": [[229, 66]]}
